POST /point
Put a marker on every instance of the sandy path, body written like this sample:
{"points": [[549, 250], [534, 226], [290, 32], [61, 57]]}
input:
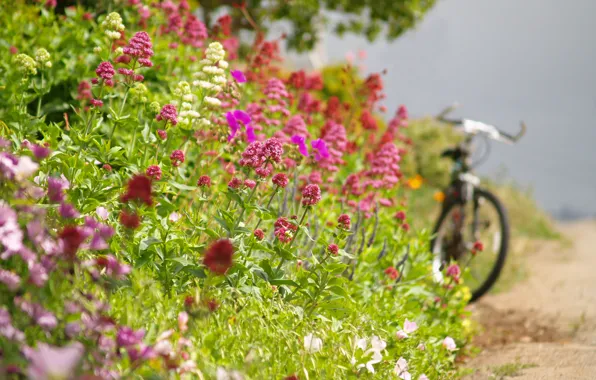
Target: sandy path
{"points": [[546, 323]]}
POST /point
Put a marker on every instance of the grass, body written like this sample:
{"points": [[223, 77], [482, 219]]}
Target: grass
{"points": [[510, 370]]}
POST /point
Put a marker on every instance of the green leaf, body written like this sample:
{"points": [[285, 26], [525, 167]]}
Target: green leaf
{"points": [[338, 290], [181, 260], [181, 186], [283, 282]]}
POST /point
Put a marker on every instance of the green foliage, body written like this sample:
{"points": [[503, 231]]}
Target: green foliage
{"points": [[308, 18]]}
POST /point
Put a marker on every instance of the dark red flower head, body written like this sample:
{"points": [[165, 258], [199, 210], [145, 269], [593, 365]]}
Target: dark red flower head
{"points": [[71, 237], [131, 221], [218, 257], [259, 234], [344, 221], [205, 180], [138, 189]]}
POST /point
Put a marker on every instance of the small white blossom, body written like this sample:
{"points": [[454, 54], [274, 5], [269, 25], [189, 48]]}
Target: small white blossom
{"points": [[119, 50], [223, 64], [97, 50], [219, 79], [312, 344], [25, 168], [212, 101]]}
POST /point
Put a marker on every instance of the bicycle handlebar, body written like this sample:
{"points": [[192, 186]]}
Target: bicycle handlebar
{"points": [[474, 127]]}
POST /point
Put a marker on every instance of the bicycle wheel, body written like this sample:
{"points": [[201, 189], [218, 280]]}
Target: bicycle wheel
{"points": [[459, 226]]}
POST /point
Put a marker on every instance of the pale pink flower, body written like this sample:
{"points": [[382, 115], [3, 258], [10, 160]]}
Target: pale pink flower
{"points": [[101, 212], [48, 362], [449, 344], [401, 369]]}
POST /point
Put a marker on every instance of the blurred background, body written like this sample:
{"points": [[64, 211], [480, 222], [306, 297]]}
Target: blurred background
{"points": [[503, 61]]}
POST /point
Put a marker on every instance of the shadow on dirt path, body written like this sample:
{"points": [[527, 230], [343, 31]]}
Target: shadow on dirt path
{"points": [[545, 326]]}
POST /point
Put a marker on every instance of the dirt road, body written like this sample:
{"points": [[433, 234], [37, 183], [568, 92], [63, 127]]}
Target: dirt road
{"points": [[545, 326]]}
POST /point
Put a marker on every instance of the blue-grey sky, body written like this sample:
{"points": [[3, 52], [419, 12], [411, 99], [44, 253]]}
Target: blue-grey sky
{"points": [[505, 61]]}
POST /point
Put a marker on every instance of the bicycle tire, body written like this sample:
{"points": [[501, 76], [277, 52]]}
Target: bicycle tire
{"points": [[494, 274]]}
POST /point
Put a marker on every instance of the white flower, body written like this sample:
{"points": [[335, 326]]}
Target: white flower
{"points": [[25, 168], [101, 212], [205, 62], [423, 377], [212, 101], [377, 345], [48, 64], [219, 79], [223, 374], [449, 344], [421, 347], [97, 49], [401, 369], [188, 98], [312, 344], [119, 50], [213, 70]]}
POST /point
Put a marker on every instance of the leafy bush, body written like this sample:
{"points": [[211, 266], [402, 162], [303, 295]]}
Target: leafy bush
{"points": [[165, 214]]}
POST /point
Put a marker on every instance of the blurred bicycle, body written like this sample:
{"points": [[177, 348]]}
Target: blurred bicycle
{"points": [[471, 214]]}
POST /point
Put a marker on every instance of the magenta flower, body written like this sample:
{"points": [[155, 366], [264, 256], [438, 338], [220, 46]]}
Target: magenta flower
{"points": [[250, 133], [68, 211], [301, 142], [449, 344], [250, 183], [96, 102], [238, 76], [344, 221], [168, 113], [233, 119], [40, 152], [234, 183], [127, 337], [162, 134], [48, 362], [453, 271], [56, 187], [321, 147]]}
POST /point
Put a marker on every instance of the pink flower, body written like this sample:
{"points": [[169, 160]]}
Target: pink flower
{"points": [[183, 321], [296, 126], [400, 215], [281, 180], [162, 134], [177, 157], [273, 150], [311, 195], [453, 271], [259, 234], [139, 46], [204, 181], [300, 141], [218, 257], [238, 76], [105, 71], [10, 279], [449, 344], [48, 362], [344, 221], [409, 327], [154, 172], [284, 230], [40, 152], [250, 183], [168, 113], [234, 183], [233, 118], [96, 102], [401, 369], [333, 249]]}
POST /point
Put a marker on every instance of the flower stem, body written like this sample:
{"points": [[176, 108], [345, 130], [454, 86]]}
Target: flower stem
{"points": [[252, 193], [283, 260]]}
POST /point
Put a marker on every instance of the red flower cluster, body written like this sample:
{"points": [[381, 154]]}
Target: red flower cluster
{"points": [[168, 113], [71, 238], [105, 71], [138, 189], [392, 273], [154, 172], [129, 220], [344, 221], [177, 157], [218, 257], [204, 181], [284, 230], [259, 234], [333, 249]]}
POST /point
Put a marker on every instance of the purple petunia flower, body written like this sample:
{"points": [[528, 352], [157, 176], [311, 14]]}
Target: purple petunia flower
{"points": [[233, 119], [238, 76], [301, 142], [250, 133], [68, 211], [321, 147]]}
